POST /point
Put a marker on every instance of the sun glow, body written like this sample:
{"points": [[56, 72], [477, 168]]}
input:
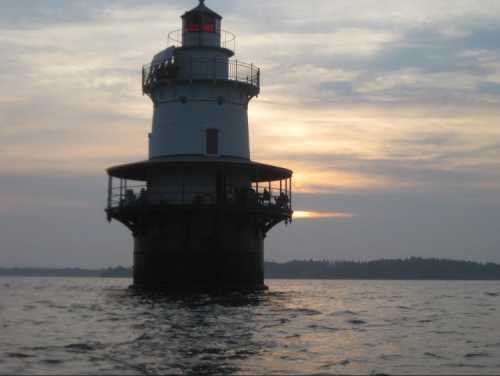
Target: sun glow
{"points": [[303, 214]]}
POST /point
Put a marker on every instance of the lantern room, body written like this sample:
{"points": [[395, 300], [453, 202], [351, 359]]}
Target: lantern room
{"points": [[201, 27]]}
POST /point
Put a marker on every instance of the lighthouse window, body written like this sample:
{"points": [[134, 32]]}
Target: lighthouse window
{"points": [[197, 23], [212, 141]]}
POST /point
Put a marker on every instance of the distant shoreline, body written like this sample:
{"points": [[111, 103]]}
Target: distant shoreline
{"points": [[413, 269], [275, 278]]}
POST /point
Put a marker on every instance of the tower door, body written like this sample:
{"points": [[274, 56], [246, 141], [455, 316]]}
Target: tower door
{"points": [[212, 142]]}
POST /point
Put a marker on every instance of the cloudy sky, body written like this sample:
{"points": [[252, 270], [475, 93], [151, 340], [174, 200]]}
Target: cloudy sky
{"points": [[387, 110]]}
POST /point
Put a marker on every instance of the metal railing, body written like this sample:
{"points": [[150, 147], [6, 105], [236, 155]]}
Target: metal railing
{"points": [[140, 196], [227, 39], [193, 68]]}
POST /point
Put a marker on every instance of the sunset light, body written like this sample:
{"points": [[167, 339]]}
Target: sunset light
{"points": [[302, 214]]}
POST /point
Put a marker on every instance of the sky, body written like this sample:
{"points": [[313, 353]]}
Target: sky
{"points": [[388, 111]]}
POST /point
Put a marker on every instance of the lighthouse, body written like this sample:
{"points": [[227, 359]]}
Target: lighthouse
{"points": [[199, 208]]}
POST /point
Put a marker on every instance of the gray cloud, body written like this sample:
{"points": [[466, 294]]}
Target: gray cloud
{"points": [[437, 61], [70, 105], [489, 88], [29, 14]]}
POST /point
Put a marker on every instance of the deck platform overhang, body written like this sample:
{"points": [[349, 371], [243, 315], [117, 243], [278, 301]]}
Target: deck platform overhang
{"points": [[142, 171]]}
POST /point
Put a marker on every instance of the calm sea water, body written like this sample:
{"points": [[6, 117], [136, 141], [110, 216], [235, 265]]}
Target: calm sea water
{"points": [[98, 326]]}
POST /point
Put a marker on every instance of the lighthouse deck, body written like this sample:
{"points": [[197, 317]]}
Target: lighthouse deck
{"points": [[134, 204], [129, 213], [258, 197], [201, 69], [267, 192]]}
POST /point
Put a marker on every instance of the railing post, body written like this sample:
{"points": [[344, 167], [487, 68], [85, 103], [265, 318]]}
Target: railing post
{"points": [[121, 191], [110, 191], [270, 193], [236, 68]]}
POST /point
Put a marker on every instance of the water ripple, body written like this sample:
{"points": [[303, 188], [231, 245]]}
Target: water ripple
{"points": [[476, 355], [99, 326], [357, 322]]}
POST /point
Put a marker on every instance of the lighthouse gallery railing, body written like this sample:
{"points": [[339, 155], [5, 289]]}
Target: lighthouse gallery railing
{"points": [[195, 68], [271, 195], [227, 39]]}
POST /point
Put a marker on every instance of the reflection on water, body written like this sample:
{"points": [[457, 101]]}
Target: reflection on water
{"points": [[75, 326]]}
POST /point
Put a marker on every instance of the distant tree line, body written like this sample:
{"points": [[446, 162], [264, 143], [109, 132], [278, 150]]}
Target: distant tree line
{"points": [[117, 272], [410, 268]]}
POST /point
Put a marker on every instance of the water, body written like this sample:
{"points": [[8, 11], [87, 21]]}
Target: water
{"points": [[97, 326]]}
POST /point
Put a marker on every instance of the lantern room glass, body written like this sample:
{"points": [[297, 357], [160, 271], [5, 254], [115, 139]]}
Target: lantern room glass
{"points": [[199, 22]]}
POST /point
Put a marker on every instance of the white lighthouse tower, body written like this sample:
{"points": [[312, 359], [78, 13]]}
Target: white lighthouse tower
{"points": [[199, 208]]}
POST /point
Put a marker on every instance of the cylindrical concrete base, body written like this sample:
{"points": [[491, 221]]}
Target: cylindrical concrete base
{"points": [[200, 252]]}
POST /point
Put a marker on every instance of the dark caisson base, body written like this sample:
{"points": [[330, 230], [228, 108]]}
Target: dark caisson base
{"points": [[201, 254]]}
